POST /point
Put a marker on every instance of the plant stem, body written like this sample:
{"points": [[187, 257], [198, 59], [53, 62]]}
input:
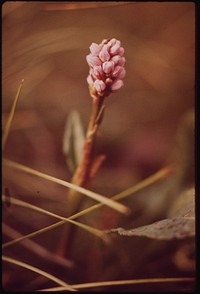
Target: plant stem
{"points": [[82, 174]]}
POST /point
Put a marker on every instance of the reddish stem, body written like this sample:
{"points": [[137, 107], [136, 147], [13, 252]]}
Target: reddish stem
{"points": [[83, 171]]}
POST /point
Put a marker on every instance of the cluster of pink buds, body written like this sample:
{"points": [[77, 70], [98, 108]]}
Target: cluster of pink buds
{"points": [[106, 62]]}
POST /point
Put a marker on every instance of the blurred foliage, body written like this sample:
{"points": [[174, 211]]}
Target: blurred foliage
{"points": [[73, 140]]}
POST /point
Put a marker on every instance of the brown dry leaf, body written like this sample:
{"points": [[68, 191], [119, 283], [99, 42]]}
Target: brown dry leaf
{"points": [[184, 206], [179, 225], [166, 229]]}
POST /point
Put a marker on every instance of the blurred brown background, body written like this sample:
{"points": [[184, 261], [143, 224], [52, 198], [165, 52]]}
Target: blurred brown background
{"points": [[47, 47], [45, 43]]}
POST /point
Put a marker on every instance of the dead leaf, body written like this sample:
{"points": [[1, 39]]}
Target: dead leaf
{"points": [[166, 229], [184, 206]]}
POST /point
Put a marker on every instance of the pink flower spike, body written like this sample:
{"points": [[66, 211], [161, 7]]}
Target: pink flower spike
{"points": [[105, 41], [122, 73], [122, 61], [95, 49], [99, 86], [117, 71], [108, 66], [115, 48], [93, 60], [109, 81], [104, 55], [97, 71], [113, 41], [116, 59], [117, 84], [121, 51], [89, 80]]}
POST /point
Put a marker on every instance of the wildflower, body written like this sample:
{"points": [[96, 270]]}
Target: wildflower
{"points": [[106, 63]]}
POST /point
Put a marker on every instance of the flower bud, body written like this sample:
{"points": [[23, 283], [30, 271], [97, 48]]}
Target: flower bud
{"points": [[118, 60], [95, 49], [89, 80], [108, 66], [116, 71], [105, 41], [99, 86], [109, 81], [93, 60], [122, 61], [121, 51], [97, 71], [115, 49], [122, 73], [104, 55], [117, 84]]}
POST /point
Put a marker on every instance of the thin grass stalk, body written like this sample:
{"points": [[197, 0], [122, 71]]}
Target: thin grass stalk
{"points": [[10, 118], [100, 198], [38, 232], [161, 174], [136, 188], [79, 5], [122, 282], [37, 249], [38, 271], [87, 228]]}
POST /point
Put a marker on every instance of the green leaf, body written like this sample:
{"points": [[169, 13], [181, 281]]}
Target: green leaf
{"points": [[73, 140]]}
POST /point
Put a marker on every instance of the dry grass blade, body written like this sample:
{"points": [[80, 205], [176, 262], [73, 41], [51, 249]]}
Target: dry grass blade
{"points": [[81, 5], [94, 231], [38, 271], [161, 174], [39, 250], [166, 229], [104, 200], [122, 282], [34, 234], [10, 118], [29, 116], [143, 184]]}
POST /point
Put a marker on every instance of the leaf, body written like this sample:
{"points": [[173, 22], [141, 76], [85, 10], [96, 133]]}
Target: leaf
{"points": [[73, 140], [167, 229], [184, 206]]}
